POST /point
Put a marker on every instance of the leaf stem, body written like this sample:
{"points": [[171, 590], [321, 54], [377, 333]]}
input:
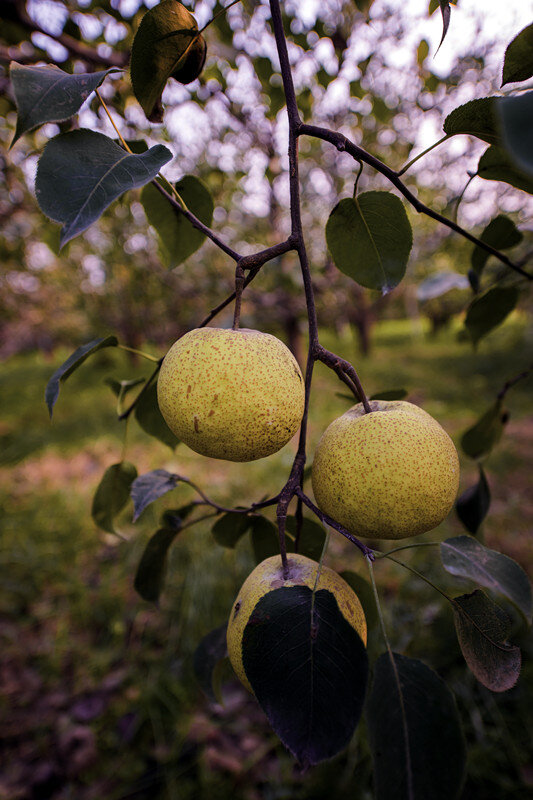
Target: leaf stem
{"points": [[423, 153], [419, 574], [379, 554], [138, 353], [111, 120]]}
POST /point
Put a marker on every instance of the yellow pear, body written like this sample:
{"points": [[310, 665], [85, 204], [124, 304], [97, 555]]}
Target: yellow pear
{"points": [[388, 474], [237, 395], [266, 577]]}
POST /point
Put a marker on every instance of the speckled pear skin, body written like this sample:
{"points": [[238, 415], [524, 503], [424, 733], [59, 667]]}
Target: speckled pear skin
{"points": [[236, 395], [268, 575], [389, 474]]}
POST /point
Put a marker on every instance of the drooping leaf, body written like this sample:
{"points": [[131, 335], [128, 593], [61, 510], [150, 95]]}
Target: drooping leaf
{"points": [[518, 61], [484, 434], [72, 363], [440, 283], [48, 94], [516, 115], [179, 239], [151, 420], [229, 528], [496, 165], [81, 172], [465, 557], [473, 505], [446, 14], [264, 538], [150, 487], [308, 669], [488, 310], [482, 629], [112, 494], [312, 537], [415, 735], [477, 118], [370, 239], [167, 44], [210, 651], [152, 567], [501, 233]]}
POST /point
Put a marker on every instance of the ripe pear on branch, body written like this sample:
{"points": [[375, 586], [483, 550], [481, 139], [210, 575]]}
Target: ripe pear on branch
{"points": [[231, 394], [388, 474]]}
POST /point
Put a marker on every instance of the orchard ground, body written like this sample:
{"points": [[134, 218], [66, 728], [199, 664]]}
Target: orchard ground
{"points": [[100, 686]]}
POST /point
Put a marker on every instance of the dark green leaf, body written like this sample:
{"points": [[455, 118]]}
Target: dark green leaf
{"points": [[73, 362], [150, 487], [152, 566], [211, 650], [370, 239], [312, 538], [264, 538], [166, 45], [81, 172], [479, 440], [473, 505], [112, 494], [477, 118], [308, 669], [151, 420], [518, 61], [517, 129], [501, 233], [468, 558], [229, 528], [364, 5], [389, 394], [488, 310], [446, 13], [496, 165], [415, 734], [47, 94], [175, 517], [179, 239], [482, 629]]}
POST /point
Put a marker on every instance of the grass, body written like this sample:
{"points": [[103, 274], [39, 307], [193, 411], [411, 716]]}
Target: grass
{"points": [[111, 675]]}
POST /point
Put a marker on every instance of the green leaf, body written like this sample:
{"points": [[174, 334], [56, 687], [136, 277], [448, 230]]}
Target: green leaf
{"points": [[496, 165], [370, 239], [150, 487], [473, 505], [151, 420], [479, 440], [211, 650], [517, 129], [446, 14], [179, 238], [415, 734], [488, 310], [166, 45], [80, 173], [482, 628], [501, 233], [72, 363], [264, 538], [229, 528], [308, 669], [48, 94], [477, 118], [312, 538], [112, 494], [518, 61], [364, 6], [465, 557], [152, 567]]}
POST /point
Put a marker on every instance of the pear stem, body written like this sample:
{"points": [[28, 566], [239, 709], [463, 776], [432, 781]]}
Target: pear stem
{"points": [[239, 286]]}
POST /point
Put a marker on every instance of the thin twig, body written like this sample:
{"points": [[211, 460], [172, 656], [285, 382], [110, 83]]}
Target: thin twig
{"points": [[366, 551]]}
